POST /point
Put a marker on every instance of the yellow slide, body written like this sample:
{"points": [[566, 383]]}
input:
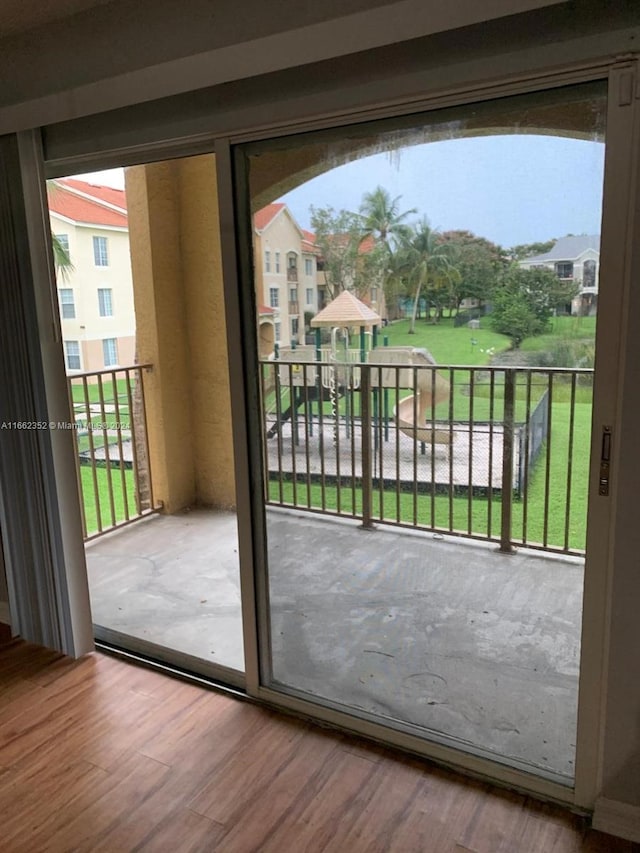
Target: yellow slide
{"points": [[432, 389]]}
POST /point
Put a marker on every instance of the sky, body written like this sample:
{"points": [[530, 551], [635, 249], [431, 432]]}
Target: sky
{"points": [[509, 189]]}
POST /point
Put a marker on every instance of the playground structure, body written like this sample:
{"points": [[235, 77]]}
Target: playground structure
{"points": [[318, 374]]}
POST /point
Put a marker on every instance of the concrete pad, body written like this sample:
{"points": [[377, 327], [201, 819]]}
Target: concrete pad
{"points": [[447, 635], [444, 634]]}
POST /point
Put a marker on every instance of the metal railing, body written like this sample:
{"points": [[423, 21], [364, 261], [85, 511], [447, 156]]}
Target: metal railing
{"points": [[110, 429], [491, 453]]}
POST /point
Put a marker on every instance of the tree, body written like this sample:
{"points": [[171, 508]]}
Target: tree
{"points": [[529, 250], [381, 217], [383, 221], [427, 264], [338, 236], [351, 261], [524, 302], [61, 259], [479, 263]]}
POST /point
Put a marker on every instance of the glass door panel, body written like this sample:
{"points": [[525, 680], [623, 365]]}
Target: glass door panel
{"points": [[137, 252], [426, 295]]}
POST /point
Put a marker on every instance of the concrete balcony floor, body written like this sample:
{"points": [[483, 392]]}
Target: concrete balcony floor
{"points": [[444, 634]]}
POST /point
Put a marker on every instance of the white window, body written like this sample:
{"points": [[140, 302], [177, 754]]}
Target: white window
{"points": [[100, 255], [293, 294], [105, 303], [277, 261], [274, 297], [72, 355], [294, 327], [308, 266], [110, 352], [67, 305], [374, 294], [277, 331], [309, 296], [267, 260], [63, 242]]}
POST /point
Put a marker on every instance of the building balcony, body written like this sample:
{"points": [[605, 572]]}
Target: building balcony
{"points": [[294, 308], [425, 608]]}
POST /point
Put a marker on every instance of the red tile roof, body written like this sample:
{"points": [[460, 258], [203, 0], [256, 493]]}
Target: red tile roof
{"points": [[81, 209], [263, 309], [265, 215], [108, 194]]}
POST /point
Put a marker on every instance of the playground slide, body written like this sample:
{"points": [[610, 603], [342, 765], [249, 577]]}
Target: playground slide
{"points": [[432, 389]]}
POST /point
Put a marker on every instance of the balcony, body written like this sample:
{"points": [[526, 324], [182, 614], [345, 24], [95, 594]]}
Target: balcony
{"points": [[411, 480], [294, 308], [292, 274]]}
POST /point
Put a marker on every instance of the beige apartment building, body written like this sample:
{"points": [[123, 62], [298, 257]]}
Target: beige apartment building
{"points": [[286, 276], [96, 294]]}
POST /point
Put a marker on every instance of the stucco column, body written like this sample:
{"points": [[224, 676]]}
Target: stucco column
{"points": [[180, 329]]}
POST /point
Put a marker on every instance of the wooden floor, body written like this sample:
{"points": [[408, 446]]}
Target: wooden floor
{"points": [[100, 754]]}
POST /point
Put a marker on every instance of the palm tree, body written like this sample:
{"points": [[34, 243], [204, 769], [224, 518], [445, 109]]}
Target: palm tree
{"points": [[426, 259], [382, 220], [61, 259]]}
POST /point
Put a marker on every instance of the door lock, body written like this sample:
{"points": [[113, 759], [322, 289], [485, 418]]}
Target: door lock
{"points": [[605, 462]]}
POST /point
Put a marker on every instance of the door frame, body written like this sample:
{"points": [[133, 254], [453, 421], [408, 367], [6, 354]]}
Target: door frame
{"points": [[616, 239]]}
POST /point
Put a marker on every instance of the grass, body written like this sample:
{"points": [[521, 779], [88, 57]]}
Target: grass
{"points": [[447, 344], [103, 477], [542, 517], [472, 514]]}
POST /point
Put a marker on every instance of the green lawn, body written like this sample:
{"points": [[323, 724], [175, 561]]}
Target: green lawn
{"points": [[471, 515], [103, 502], [447, 344], [542, 516]]}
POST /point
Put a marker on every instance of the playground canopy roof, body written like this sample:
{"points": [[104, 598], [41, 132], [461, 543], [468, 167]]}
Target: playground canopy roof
{"points": [[346, 310]]}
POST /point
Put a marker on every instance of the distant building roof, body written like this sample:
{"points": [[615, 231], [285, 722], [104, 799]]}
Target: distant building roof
{"points": [[266, 215], [346, 310], [65, 200], [264, 310], [109, 195], [567, 249]]}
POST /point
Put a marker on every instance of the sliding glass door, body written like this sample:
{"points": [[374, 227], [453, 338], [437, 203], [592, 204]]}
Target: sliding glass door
{"points": [[426, 292]]}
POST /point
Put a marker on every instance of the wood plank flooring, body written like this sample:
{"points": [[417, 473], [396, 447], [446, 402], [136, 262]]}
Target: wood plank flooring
{"points": [[102, 755]]}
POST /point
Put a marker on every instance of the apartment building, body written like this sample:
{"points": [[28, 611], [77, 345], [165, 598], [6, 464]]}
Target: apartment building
{"points": [[95, 293], [286, 276]]}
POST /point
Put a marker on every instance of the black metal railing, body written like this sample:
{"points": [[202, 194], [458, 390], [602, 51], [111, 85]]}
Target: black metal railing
{"points": [[493, 453], [110, 428]]}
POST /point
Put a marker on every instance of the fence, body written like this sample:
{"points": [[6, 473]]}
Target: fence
{"points": [[109, 417], [498, 454]]}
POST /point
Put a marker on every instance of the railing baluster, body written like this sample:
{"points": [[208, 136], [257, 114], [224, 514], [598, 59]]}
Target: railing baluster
{"points": [[366, 461], [472, 391], [547, 473], [118, 425], [572, 412], [451, 440], [307, 430], [524, 486], [106, 448], [492, 399], [433, 448], [507, 460], [293, 400], [92, 453], [415, 446], [396, 431]]}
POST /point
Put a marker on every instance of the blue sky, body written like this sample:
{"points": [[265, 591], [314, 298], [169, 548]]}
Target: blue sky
{"points": [[510, 189]]}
